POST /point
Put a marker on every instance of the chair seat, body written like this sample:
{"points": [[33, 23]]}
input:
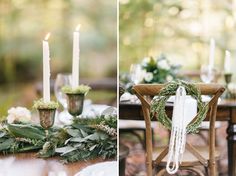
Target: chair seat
{"points": [[206, 125], [188, 158], [137, 124]]}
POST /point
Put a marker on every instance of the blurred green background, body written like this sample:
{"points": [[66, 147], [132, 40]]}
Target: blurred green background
{"points": [[24, 24], [180, 29]]}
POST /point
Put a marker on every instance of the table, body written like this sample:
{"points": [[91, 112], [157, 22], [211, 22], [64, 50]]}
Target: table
{"points": [[226, 111], [41, 167]]}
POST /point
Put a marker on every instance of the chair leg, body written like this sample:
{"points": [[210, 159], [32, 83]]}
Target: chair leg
{"points": [[144, 137], [212, 170]]}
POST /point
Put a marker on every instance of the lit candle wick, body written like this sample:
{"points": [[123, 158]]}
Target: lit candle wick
{"points": [[47, 36], [77, 27]]}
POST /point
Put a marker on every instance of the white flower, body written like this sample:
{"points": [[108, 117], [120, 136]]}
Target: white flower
{"points": [[169, 78], [19, 114], [163, 64], [148, 76], [146, 60]]}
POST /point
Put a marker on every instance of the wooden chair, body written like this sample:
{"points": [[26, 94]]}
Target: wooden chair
{"points": [[193, 156]]}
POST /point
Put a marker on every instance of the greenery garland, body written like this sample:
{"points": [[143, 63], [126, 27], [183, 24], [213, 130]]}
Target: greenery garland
{"points": [[85, 138], [158, 104]]}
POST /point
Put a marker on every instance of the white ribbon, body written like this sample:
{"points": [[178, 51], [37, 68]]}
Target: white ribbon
{"points": [[178, 132]]}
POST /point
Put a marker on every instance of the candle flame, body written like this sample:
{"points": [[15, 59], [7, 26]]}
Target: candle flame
{"points": [[47, 36], [212, 40], [78, 27], [227, 52]]}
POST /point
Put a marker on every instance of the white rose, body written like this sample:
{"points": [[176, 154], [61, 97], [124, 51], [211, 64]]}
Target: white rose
{"points": [[169, 78], [163, 64], [20, 114], [148, 76], [146, 60], [137, 74]]}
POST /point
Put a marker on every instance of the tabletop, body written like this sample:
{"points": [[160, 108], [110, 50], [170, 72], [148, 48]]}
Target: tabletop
{"points": [[27, 164]]}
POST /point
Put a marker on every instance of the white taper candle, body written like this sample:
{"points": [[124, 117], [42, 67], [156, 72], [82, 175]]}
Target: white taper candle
{"points": [[46, 70], [75, 62], [227, 64]]}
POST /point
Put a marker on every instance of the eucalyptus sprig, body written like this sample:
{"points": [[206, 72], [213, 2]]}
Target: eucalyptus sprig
{"points": [[40, 104], [81, 89]]}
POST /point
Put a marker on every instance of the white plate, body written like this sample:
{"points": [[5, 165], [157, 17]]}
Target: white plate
{"points": [[100, 169]]}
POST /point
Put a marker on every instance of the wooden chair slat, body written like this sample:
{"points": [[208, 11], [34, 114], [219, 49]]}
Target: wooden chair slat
{"points": [[152, 89], [194, 151], [161, 156]]}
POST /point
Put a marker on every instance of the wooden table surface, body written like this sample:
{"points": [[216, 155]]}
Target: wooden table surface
{"points": [[33, 166], [226, 111]]}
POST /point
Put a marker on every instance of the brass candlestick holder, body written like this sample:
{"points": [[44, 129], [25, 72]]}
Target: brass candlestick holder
{"points": [[228, 79], [75, 103]]}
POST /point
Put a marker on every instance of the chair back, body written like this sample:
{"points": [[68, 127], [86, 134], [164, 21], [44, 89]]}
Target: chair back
{"points": [[145, 91]]}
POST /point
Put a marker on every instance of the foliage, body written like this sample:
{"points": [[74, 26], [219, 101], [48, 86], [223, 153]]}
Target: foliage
{"points": [[40, 104], [79, 141], [81, 89], [158, 104]]}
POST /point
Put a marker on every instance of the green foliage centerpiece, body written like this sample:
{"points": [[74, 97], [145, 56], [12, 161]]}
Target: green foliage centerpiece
{"points": [[85, 138], [159, 69], [151, 70], [75, 98]]}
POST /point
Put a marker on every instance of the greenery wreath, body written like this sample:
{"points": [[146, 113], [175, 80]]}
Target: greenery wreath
{"points": [[158, 104]]}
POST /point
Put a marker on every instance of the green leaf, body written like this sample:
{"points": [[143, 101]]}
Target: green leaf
{"points": [[6, 144], [63, 149], [77, 139], [83, 133], [26, 131], [2, 134], [103, 136], [73, 132], [93, 147], [93, 137]]}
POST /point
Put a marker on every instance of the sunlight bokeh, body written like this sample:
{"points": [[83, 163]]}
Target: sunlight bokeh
{"points": [[179, 29]]}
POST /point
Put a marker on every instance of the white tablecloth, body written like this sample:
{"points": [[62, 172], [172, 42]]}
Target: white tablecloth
{"points": [[100, 169]]}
